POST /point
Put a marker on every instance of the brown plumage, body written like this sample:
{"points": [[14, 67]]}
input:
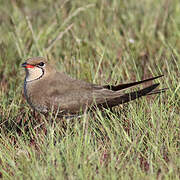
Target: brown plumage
{"points": [[46, 89]]}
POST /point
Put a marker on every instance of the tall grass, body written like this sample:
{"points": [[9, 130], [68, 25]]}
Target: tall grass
{"points": [[101, 42]]}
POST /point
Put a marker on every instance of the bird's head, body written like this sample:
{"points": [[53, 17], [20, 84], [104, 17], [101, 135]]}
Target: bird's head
{"points": [[37, 68]]}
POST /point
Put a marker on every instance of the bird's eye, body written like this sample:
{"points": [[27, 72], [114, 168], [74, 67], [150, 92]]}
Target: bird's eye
{"points": [[41, 64]]}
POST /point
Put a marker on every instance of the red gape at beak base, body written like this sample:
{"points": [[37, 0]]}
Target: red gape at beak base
{"points": [[29, 66]]}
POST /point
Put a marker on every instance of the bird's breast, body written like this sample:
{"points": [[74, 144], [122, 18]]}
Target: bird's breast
{"points": [[33, 99]]}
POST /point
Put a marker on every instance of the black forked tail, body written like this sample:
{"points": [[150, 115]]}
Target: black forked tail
{"points": [[129, 96]]}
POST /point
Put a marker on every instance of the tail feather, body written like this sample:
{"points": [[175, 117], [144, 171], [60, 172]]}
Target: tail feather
{"points": [[124, 86], [129, 96], [158, 91]]}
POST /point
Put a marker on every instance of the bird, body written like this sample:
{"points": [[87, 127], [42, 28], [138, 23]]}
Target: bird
{"points": [[46, 90]]}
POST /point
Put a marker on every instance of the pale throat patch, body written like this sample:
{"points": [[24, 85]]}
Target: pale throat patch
{"points": [[33, 74]]}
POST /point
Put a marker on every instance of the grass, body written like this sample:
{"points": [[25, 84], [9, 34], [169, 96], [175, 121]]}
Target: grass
{"points": [[100, 42]]}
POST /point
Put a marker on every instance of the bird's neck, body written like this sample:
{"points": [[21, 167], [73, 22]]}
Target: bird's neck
{"points": [[34, 74]]}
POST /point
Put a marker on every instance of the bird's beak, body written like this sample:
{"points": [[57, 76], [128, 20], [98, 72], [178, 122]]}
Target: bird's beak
{"points": [[26, 65]]}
